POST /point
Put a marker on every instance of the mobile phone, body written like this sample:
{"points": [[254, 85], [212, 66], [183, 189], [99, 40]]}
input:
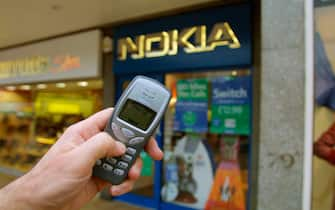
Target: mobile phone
{"points": [[135, 118]]}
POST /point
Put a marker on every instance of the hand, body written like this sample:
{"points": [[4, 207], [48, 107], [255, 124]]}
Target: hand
{"points": [[62, 180]]}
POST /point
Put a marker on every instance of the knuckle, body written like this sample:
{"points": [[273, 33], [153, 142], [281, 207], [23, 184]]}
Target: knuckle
{"points": [[106, 136], [105, 139], [107, 142], [71, 129]]}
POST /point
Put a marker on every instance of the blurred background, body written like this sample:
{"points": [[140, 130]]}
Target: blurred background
{"points": [[252, 85]]}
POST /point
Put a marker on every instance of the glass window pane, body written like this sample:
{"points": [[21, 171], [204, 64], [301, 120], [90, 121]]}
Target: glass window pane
{"points": [[206, 140], [33, 117]]}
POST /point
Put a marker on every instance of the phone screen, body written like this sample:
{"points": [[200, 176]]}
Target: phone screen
{"points": [[137, 114]]}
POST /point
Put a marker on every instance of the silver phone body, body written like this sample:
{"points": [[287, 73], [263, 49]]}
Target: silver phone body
{"points": [[135, 118]]}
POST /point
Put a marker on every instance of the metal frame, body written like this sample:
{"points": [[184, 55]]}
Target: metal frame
{"points": [[309, 106]]}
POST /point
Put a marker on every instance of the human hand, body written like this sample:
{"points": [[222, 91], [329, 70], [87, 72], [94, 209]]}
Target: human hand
{"points": [[62, 179]]}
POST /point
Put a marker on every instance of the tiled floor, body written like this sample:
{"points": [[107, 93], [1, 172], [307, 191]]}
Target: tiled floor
{"points": [[95, 204]]}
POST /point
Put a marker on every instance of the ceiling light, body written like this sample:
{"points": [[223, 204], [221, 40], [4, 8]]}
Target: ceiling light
{"points": [[25, 87], [82, 84], [10, 88], [60, 85], [41, 86]]}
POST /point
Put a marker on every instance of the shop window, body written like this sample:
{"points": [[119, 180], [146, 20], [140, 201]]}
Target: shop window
{"points": [[206, 140], [33, 117]]}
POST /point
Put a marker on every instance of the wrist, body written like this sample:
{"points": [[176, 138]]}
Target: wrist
{"points": [[15, 196]]}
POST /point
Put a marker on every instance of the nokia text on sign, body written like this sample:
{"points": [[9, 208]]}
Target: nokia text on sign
{"points": [[166, 43]]}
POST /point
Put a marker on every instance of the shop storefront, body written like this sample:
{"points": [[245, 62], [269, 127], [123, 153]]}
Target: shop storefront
{"points": [[44, 88], [205, 58]]}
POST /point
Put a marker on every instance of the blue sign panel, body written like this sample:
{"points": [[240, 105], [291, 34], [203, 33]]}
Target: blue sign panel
{"points": [[213, 38]]}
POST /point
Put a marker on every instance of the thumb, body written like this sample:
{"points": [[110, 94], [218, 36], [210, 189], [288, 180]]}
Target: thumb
{"points": [[99, 146]]}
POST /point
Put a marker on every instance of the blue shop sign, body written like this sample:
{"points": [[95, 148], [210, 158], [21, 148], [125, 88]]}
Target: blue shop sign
{"points": [[212, 38]]}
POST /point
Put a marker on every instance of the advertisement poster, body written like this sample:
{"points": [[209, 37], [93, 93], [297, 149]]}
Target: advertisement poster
{"points": [[228, 189], [231, 105], [188, 173], [191, 106]]}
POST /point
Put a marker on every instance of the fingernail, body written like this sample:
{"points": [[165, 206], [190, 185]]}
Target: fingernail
{"points": [[121, 147]]}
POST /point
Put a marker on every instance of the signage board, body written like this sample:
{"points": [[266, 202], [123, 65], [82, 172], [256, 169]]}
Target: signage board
{"points": [[231, 100], [211, 38], [69, 57]]}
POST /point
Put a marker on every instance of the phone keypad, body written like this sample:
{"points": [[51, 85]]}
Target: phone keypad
{"points": [[111, 160], [117, 165], [126, 158], [122, 165], [107, 167], [118, 133], [118, 172], [127, 133], [98, 162], [136, 140], [131, 151]]}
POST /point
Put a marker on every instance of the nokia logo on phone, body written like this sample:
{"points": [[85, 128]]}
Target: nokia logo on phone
{"points": [[166, 43], [149, 94]]}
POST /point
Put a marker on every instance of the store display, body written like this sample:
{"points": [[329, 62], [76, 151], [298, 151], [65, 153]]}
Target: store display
{"points": [[32, 120], [188, 172], [192, 106], [16, 130], [231, 105], [203, 167], [227, 191]]}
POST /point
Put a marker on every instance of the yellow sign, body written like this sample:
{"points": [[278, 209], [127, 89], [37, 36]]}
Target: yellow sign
{"points": [[166, 43]]}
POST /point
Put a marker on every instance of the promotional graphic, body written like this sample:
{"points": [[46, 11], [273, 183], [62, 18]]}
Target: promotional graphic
{"points": [[191, 106], [231, 105], [228, 190], [188, 173]]}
